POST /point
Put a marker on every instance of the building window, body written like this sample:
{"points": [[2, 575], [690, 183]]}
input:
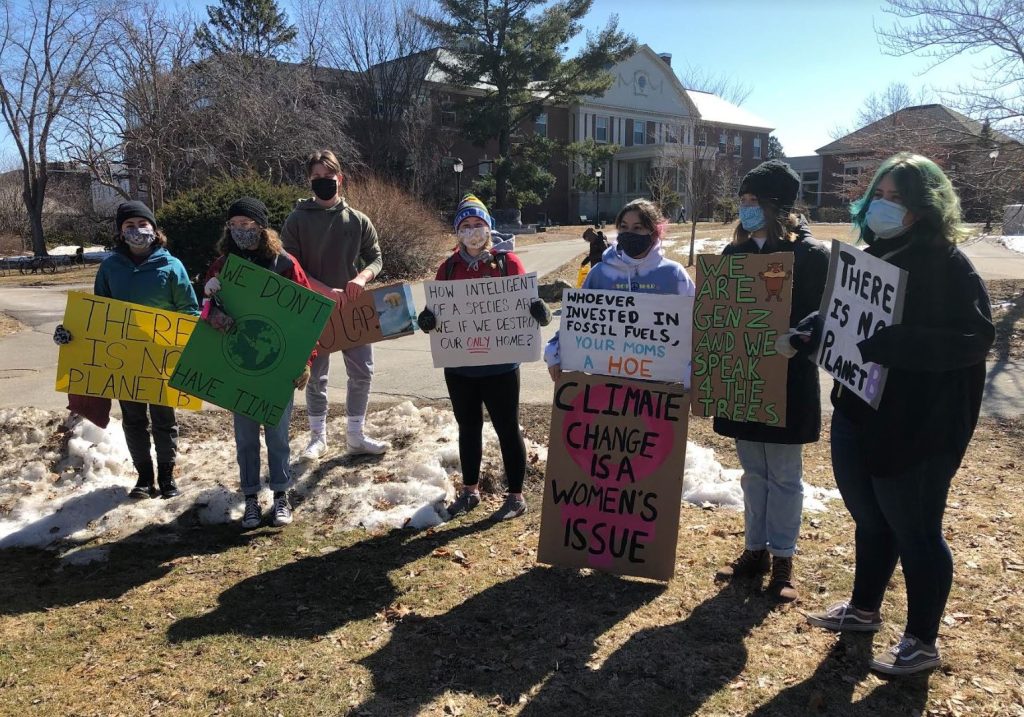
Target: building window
{"points": [[757, 147], [671, 134], [484, 168], [540, 125], [702, 137], [601, 129], [447, 111], [737, 145], [722, 139], [639, 132], [809, 188]]}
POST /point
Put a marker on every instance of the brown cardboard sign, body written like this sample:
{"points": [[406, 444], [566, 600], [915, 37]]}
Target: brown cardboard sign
{"points": [[384, 312], [742, 305], [614, 476]]}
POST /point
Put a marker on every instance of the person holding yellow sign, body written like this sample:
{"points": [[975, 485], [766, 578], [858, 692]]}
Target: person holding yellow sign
{"points": [[142, 271]]}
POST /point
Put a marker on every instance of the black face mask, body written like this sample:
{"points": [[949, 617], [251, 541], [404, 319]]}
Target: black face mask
{"points": [[324, 187], [633, 245]]}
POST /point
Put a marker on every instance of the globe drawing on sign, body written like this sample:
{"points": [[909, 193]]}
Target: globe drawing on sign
{"points": [[254, 346]]}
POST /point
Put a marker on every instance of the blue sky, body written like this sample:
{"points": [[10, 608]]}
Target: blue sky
{"points": [[810, 63]]}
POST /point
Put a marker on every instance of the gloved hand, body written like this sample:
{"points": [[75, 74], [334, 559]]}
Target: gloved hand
{"points": [[212, 286], [426, 321], [540, 312], [802, 339], [303, 379], [61, 335]]}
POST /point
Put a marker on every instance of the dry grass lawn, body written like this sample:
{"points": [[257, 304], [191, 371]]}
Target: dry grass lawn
{"points": [[64, 275], [462, 621]]}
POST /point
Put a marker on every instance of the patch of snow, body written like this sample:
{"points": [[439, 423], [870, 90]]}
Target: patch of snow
{"points": [[70, 250], [1013, 243]]}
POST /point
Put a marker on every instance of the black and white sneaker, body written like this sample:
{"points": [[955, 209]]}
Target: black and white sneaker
{"points": [[910, 655], [282, 511], [513, 507], [252, 517]]}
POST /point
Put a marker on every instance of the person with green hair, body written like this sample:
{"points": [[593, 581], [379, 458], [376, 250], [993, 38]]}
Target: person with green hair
{"points": [[894, 465]]}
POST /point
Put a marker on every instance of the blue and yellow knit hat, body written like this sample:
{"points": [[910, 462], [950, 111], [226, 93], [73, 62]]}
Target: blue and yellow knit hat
{"points": [[470, 206]]}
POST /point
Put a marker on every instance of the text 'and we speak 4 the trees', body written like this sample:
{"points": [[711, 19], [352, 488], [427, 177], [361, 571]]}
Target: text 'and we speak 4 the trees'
{"points": [[614, 475], [864, 294], [742, 305], [249, 369], [483, 321], [618, 333], [123, 350]]}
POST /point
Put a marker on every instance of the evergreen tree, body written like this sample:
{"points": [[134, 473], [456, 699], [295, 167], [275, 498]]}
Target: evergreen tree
{"points": [[775, 148], [512, 51], [251, 28]]}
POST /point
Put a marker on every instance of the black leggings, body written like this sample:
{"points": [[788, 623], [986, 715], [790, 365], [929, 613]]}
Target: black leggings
{"points": [[137, 429], [500, 394]]}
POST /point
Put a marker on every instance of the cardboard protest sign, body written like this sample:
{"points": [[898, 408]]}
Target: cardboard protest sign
{"points": [[863, 294], [384, 312], [483, 321], [250, 368], [619, 333], [123, 350], [742, 305], [614, 475]]}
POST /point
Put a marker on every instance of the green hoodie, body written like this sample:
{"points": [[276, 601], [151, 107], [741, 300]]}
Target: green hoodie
{"points": [[333, 244]]}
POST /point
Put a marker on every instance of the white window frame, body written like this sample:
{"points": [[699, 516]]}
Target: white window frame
{"points": [[541, 121], [642, 126], [598, 128], [757, 147]]}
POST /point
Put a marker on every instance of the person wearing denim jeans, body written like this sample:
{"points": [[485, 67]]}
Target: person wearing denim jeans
{"points": [[894, 463], [247, 448], [771, 456]]}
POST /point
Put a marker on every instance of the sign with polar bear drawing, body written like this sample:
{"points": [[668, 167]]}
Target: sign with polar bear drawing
{"points": [[620, 333], [483, 321], [381, 313]]}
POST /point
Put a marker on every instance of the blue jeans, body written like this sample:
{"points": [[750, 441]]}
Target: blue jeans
{"points": [[773, 495], [898, 518], [247, 446]]}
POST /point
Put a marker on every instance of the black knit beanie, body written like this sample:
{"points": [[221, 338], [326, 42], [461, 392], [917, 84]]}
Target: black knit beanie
{"points": [[249, 207], [772, 180], [128, 210]]}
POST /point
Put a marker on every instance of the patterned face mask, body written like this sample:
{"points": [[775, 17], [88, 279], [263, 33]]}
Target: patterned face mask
{"points": [[138, 237], [247, 239], [475, 237]]}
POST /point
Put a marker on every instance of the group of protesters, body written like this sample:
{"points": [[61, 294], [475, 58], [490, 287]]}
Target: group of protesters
{"points": [[893, 465]]}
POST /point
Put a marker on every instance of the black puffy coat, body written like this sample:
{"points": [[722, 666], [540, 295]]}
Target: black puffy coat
{"points": [[935, 356], [803, 392]]}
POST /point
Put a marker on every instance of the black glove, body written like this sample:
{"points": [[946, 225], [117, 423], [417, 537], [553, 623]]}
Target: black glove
{"points": [[808, 335], [540, 311], [61, 335], [426, 321]]}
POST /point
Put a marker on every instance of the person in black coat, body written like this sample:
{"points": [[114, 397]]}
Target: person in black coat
{"points": [[771, 456], [894, 465]]}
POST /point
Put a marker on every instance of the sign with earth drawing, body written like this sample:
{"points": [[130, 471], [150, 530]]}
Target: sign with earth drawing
{"points": [[249, 369]]}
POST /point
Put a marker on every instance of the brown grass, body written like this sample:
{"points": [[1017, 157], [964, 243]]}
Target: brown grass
{"points": [[64, 275], [462, 621], [9, 325]]}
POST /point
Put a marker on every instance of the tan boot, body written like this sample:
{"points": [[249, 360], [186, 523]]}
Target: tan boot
{"points": [[780, 586], [750, 563]]}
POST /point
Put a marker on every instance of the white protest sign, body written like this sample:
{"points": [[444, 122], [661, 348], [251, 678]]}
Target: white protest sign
{"points": [[633, 335], [483, 321], [863, 294]]}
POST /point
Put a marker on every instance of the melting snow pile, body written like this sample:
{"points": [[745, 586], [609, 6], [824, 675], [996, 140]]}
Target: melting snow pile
{"points": [[67, 483], [1013, 243]]}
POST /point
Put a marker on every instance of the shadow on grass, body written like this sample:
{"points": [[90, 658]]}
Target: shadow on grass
{"points": [[664, 670], [829, 691], [503, 641], [36, 580], [315, 595]]}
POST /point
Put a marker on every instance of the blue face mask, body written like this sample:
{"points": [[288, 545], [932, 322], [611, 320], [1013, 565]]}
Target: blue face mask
{"points": [[752, 218], [885, 218]]}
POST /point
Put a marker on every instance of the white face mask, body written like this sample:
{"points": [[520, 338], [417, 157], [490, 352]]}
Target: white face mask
{"points": [[474, 237], [885, 218]]}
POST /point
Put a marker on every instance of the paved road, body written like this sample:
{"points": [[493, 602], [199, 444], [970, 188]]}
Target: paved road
{"points": [[404, 369]]}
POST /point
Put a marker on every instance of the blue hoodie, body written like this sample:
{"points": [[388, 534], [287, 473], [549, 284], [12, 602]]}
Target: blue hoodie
{"points": [[160, 281], [652, 274]]}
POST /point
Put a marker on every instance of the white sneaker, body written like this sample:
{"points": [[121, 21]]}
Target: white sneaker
{"points": [[282, 511], [252, 516], [364, 445], [316, 448]]}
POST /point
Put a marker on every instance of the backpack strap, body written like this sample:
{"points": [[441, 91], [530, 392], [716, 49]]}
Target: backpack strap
{"points": [[449, 267]]}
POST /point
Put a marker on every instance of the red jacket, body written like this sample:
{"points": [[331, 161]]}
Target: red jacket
{"points": [[283, 264], [458, 269]]}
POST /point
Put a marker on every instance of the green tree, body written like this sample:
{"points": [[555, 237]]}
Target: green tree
{"points": [[775, 148], [251, 28], [511, 50], [586, 156]]}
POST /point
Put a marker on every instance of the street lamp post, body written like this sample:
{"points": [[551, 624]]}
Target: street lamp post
{"points": [[457, 167], [597, 198], [993, 155]]}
